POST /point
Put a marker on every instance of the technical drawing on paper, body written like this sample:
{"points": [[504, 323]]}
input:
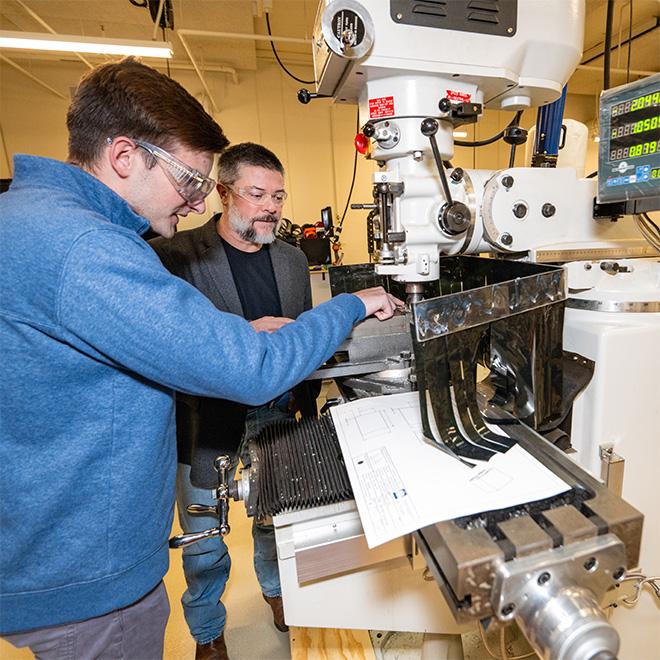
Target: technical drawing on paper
{"points": [[491, 480], [372, 422]]}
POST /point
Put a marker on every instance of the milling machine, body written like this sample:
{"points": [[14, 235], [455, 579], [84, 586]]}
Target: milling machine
{"points": [[567, 350]]}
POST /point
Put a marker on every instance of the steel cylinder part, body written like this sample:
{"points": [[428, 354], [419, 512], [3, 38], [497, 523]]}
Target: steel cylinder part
{"points": [[566, 623]]}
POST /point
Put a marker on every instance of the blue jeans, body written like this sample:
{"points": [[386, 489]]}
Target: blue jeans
{"points": [[206, 564]]}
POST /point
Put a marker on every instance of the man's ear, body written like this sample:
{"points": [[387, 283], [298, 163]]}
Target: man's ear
{"points": [[222, 192], [122, 156]]}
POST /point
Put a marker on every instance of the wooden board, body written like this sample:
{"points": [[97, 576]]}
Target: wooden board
{"points": [[330, 644]]}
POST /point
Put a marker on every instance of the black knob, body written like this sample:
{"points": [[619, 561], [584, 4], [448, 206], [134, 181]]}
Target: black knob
{"points": [[457, 175], [515, 135], [548, 210], [304, 96], [444, 105], [507, 181], [429, 127], [369, 129]]}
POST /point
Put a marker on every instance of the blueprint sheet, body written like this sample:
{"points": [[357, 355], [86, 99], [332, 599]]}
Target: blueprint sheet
{"points": [[401, 483]]}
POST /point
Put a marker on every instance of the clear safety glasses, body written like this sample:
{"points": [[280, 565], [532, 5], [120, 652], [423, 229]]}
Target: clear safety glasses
{"points": [[259, 197], [192, 185]]}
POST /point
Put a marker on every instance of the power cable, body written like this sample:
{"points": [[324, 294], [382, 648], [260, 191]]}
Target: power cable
{"points": [[279, 61], [340, 224], [630, 19], [608, 44], [490, 140]]}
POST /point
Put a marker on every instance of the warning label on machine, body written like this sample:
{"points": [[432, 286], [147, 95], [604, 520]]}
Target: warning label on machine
{"points": [[460, 97], [381, 107]]}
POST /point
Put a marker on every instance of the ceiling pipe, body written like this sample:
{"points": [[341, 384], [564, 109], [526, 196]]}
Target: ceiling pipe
{"points": [[32, 77], [43, 23], [161, 5], [183, 33], [243, 35], [200, 75]]}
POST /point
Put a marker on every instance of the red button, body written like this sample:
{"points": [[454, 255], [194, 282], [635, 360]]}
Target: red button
{"points": [[361, 143]]}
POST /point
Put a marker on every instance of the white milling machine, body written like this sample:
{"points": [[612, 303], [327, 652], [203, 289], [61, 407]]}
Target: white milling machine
{"points": [[417, 69]]}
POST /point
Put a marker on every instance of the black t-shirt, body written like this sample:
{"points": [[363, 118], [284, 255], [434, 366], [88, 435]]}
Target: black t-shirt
{"points": [[255, 281]]}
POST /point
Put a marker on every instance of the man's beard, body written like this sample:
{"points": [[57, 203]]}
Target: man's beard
{"points": [[244, 227]]}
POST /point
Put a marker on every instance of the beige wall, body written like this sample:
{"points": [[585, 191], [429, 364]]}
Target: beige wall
{"points": [[314, 142]]}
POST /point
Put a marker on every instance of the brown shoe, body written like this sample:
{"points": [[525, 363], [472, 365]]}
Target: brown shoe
{"points": [[278, 612], [214, 650]]}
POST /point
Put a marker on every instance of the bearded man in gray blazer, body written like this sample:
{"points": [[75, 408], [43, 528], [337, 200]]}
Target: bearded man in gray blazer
{"points": [[236, 261]]}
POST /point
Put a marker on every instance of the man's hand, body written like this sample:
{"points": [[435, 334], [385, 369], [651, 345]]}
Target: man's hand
{"points": [[379, 303], [269, 323]]}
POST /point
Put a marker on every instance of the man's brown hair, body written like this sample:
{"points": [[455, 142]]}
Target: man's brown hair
{"points": [[131, 99]]}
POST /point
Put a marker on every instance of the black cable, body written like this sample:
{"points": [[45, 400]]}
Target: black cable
{"points": [[340, 224], [608, 44], [592, 175], [512, 155], [495, 138], [480, 143], [630, 18], [279, 61]]}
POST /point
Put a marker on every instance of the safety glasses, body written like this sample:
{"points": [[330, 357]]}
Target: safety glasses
{"points": [[192, 185], [259, 197]]}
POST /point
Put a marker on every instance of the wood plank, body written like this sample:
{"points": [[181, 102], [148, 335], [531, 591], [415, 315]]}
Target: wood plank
{"points": [[330, 644]]}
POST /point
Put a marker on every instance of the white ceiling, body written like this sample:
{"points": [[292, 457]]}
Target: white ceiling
{"points": [[295, 18]]}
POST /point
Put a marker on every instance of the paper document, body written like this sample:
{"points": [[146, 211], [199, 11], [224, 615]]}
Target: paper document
{"points": [[401, 483]]}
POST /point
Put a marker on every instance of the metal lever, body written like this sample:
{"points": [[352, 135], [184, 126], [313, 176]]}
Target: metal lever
{"points": [[454, 216], [222, 465]]}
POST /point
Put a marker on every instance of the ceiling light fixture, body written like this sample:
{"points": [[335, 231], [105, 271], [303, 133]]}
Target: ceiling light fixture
{"points": [[75, 44]]}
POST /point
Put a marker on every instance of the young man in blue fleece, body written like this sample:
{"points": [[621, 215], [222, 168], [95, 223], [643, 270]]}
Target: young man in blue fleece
{"points": [[95, 337]]}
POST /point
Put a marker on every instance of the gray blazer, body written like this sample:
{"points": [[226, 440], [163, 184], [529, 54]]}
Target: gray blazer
{"points": [[198, 256], [207, 427]]}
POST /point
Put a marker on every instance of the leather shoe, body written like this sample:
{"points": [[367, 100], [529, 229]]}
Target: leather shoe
{"points": [[275, 603], [216, 649]]}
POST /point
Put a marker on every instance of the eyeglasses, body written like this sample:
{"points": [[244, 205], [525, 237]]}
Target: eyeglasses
{"points": [[257, 196], [192, 185]]}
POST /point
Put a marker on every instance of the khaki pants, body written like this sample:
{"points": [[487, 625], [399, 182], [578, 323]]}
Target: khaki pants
{"points": [[135, 632]]}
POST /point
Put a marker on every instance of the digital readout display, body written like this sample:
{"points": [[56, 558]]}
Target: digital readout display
{"points": [[629, 150]]}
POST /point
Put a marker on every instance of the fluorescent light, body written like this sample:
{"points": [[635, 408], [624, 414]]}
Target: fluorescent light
{"points": [[460, 134], [76, 44]]}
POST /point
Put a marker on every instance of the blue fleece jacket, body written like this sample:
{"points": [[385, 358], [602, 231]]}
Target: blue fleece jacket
{"points": [[95, 336]]}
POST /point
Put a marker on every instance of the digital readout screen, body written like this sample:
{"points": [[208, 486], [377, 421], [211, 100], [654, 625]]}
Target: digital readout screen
{"points": [[629, 149]]}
